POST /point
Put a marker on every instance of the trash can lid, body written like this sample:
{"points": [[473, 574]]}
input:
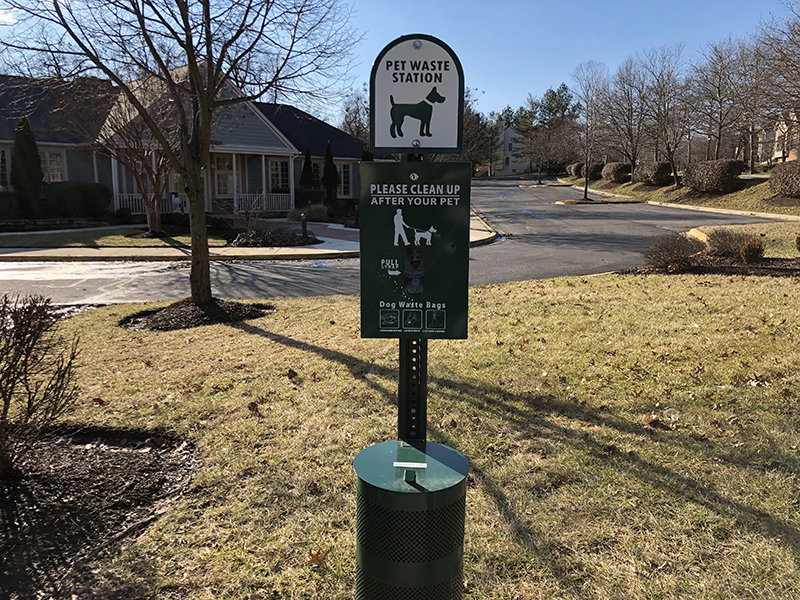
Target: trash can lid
{"points": [[411, 467]]}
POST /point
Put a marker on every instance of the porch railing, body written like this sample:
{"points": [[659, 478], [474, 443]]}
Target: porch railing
{"points": [[244, 203], [136, 204], [263, 202]]}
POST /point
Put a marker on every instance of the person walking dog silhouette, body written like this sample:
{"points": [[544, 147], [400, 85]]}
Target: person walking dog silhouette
{"points": [[400, 229]]}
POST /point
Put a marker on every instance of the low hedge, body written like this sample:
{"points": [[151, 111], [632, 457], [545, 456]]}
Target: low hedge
{"points": [[653, 173], [575, 169], [785, 179], [77, 199], [715, 176], [595, 171], [617, 172], [304, 197]]}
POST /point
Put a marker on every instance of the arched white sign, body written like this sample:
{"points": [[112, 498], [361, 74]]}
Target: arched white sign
{"points": [[417, 98]]}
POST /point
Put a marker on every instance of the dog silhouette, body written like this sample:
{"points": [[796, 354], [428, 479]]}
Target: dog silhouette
{"points": [[421, 111], [424, 235]]}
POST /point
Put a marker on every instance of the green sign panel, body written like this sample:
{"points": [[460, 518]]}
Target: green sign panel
{"points": [[414, 250]]}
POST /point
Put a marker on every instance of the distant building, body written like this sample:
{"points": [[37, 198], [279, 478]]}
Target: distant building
{"points": [[509, 163]]}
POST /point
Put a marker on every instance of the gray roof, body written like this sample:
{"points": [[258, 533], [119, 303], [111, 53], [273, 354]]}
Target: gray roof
{"points": [[309, 133], [59, 112]]}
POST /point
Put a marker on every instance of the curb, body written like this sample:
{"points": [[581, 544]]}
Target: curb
{"points": [[726, 211], [224, 254]]}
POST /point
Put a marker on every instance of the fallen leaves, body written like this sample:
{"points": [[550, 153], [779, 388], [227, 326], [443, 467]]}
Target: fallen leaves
{"points": [[317, 559]]}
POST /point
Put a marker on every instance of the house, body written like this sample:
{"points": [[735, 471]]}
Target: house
{"points": [[64, 129], [256, 156], [509, 163], [780, 143]]}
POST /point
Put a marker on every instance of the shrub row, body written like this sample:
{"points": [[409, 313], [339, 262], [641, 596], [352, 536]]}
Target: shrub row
{"points": [[717, 176], [785, 179], [77, 199], [595, 171], [654, 173], [575, 169], [617, 172]]}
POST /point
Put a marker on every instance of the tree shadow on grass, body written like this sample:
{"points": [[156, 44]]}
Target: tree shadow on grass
{"points": [[535, 421]]}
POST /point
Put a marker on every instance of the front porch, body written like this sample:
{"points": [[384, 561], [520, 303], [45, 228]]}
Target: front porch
{"points": [[235, 183]]}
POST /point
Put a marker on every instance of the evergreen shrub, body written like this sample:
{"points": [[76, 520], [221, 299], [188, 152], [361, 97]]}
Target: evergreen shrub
{"points": [[575, 169], [673, 251], [595, 171], [77, 199], [617, 172], [653, 173], [723, 241], [317, 213], [785, 179], [752, 250], [305, 197], [715, 176]]}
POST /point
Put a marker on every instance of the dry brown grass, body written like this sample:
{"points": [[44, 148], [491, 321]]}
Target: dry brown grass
{"points": [[572, 493]]}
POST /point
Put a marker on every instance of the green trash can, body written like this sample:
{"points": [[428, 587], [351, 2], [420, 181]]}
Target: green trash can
{"points": [[410, 526]]}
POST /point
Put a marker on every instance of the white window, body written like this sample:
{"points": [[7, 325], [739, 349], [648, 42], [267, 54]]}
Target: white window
{"points": [[280, 176], [344, 181], [52, 165], [223, 174]]}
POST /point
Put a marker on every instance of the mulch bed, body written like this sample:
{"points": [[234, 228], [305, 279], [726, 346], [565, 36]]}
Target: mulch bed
{"points": [[718, 265], [77, 494], [185, 314]]}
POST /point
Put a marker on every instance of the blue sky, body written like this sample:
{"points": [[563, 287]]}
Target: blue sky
{"points": [[510, 48]]}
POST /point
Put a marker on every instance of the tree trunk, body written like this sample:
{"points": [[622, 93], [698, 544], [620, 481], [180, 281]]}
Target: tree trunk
{"points": [[153, 214], [539, 166], [753, 146], [674, 172], [200, 276]]}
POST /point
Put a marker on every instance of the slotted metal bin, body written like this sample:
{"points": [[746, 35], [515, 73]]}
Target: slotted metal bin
{"points": [[410, 521]]}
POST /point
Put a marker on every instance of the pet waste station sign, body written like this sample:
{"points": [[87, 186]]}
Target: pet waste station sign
{"points": [[414, 249], [417, 97], [414, 221]]}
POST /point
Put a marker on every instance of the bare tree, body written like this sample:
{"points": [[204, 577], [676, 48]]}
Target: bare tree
{"points": [[714, 81], [665, 102], [591, 82], [779, 43], [126, 138], [356, 114], [204, 55], [754, 93], [624, 111]]}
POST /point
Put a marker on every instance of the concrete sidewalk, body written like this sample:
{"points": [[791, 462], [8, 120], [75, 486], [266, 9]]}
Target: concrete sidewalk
{"points": [[337, 242]]}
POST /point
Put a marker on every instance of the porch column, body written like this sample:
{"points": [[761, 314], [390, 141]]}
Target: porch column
{"points": [[115, 182], [235, 182], [264, 177], [291, 181]]}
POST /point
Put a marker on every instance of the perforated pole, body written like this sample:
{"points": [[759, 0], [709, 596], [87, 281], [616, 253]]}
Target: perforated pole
{"points": [[412, 396]]}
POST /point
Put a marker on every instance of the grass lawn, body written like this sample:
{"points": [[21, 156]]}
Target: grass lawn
{"points": [[629, 437], [753, 198], [99, 238]]}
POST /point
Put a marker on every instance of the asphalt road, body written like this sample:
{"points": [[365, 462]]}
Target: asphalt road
{"points": [[540, 240]]}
